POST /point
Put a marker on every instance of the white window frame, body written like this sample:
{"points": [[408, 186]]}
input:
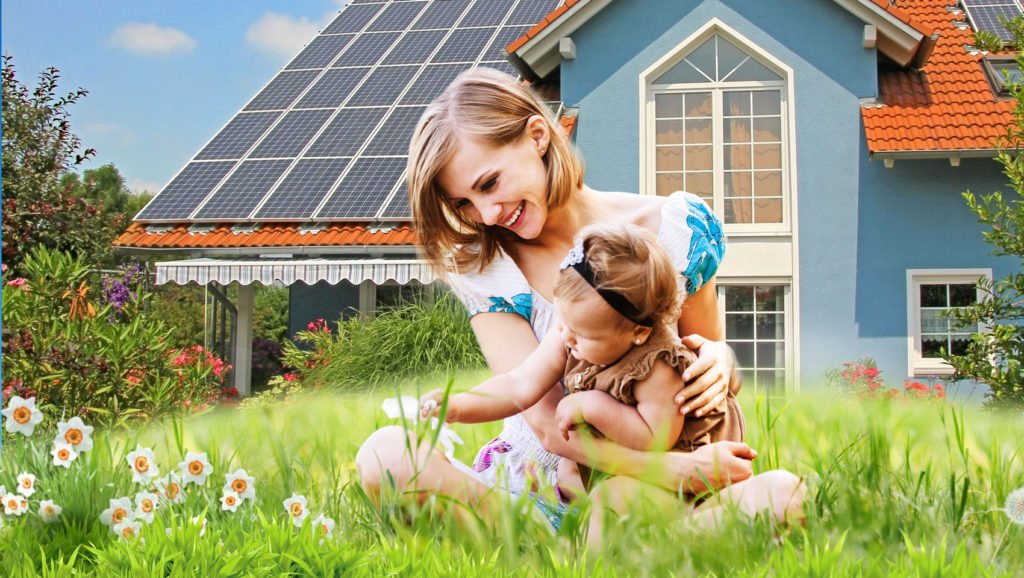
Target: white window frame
{"points": [[917, 365], [648, 129], [790, 374]]}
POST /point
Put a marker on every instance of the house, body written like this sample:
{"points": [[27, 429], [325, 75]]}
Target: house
{"points": [[832, 137]]}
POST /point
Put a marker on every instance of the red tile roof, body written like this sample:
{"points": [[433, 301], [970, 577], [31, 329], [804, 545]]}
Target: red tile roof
{"points": [[141, 236], [948, 105]]}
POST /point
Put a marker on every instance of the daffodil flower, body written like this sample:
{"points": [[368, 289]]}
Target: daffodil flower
{"points": [[195, 469], [323, 526], [22, 415], [120, 510], [128, 530], [407, 409], [169, 488], [296, 508], [26, 484], [15, 505], [146, 504], [230, 501], [75, 432], [63, 454], [241, 483], [48, 511], [143, 468]]}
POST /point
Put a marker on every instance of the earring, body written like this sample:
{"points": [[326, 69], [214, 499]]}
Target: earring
{"points": [[637, 342]]}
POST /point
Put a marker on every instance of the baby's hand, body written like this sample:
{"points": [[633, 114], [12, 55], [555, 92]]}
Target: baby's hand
{"points": [[430, 403], [570, 414]]}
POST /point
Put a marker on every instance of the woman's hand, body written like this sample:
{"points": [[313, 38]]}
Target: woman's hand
{"points": [[709, 379], [710, 467]]}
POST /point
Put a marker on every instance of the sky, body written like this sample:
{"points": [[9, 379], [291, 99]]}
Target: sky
{"points": [[163, 76]]}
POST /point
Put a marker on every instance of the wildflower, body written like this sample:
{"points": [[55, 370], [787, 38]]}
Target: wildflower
{"points": [[26, 484], [20, 281], [75, 432], [195, 469], [22, 415], [63, 454], [15, 505], [230, 501], [120, 510], [405, 408], [128, 529], [143, 468], [325, 526], [241, 483], [1015, 506], [169, 488], [201, 523], [146, 504], [296, 508], [49, 511]]}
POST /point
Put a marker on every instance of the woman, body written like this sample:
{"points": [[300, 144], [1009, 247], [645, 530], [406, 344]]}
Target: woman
{"points": [[497, 195]]}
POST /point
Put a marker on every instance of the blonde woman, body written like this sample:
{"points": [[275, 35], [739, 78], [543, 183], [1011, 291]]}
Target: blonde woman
{"points": [[498, 197]]}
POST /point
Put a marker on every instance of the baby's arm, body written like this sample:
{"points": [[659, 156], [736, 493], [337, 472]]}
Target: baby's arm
{"points": [[509, 393], [654, 424]]}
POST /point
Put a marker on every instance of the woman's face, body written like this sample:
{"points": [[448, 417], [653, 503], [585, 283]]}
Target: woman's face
{"points": [[501, 186]]}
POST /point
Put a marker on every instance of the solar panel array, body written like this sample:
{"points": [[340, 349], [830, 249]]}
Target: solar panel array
{"points": [[326, 138], [989, 15]]}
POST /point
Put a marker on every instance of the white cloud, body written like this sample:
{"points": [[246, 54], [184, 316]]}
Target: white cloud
{"points": [[281, 35], [151, 39], [139, 186]]}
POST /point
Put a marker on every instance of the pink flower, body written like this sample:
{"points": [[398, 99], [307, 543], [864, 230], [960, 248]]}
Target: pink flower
{"points": [[17, 282], [3, 267], [290, 376]]}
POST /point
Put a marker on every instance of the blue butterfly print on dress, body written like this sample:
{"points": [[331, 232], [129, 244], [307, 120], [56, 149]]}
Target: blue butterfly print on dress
{"points": [[522, 305], [707, 246]]}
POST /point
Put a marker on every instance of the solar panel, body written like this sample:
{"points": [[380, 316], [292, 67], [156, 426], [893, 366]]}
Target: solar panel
{"points": [[353, 18], [398, 207], [396, 16], [383, 86], [496, 50], [441, 15], [292, 134], [487, 13], [281, 91], [184, 193], [464, 45], [415, 47], [502, 65], [302, 190], [238, 136], [394, 135], [431, 82], [529, 13], [347, 132], [321, 52], [243, 190], [333, 88], [988, 15], [364, 188], [367, 49]]}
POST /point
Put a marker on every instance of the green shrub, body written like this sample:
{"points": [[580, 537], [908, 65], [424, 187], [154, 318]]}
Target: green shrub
{"points": [[80, 356]]}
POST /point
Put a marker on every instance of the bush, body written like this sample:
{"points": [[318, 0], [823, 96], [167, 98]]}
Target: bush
{"points": [[863, 379], [110, 361]]}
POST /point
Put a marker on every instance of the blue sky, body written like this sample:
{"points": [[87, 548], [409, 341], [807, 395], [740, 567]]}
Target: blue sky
{"points": [[163, 77]]}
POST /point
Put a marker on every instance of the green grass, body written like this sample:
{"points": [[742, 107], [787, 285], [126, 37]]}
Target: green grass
{"points": [[895, 489]]}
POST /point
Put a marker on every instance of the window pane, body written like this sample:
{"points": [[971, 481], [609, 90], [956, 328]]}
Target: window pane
{"points": [[669, 158], [770, 298], [767, 156], [729, 57], [962, 294], [703, 58], [959, 344], [768, 129], [739, 298], [736, 103], [668, 106], [737, 184], [737, 130], [737, 157], [767, 102], [931, 345], [668, 132], [698, 104], [739, 326], [768, 210], [933, 296], [668, 183], [699, 158], [739, 211], [698, 131], [681, 73], [768, 184], [770, 326], [700, 184], [770, 354], [770, 381], [753, 70], [932, 323], [744, 353]]}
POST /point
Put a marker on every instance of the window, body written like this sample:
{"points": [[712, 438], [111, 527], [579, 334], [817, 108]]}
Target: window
{"points": [[929, 294], [718, 118], [1002, 72], [756, 329]]}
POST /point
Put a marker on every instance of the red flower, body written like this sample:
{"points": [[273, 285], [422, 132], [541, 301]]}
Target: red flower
{"points": [[290, 376], [871, 372]]}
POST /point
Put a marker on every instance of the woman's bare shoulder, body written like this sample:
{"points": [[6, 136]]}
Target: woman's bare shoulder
{"points": [[643, 210]]}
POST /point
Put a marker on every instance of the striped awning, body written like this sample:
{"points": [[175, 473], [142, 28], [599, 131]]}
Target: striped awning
{"points": [[287, 271]]}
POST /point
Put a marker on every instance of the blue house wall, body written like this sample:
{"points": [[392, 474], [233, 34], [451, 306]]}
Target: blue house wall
{"points": [[859, 226]]}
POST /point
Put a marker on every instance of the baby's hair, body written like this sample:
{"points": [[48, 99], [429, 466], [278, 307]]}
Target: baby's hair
{"points": [[626, 259], [494, 107]]}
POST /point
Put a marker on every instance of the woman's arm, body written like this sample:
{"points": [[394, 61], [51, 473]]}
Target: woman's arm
{"points": [[713, 375]]}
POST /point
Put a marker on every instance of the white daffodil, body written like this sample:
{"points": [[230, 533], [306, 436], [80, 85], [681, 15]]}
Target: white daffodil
{"points": [[324, 527], [76, 433], [143, 468], [49, 511], [128, 529], [63, 454], [201, 523], [241, 483], [146, 504], [195, 469], [405, 408], [26, 484], [120, 510], [230, 501], [15, 505], [22, 415], [169, 488], [296, 508]]}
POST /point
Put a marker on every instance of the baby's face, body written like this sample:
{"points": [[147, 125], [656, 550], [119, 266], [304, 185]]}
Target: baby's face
{"points": [[593, 331]]}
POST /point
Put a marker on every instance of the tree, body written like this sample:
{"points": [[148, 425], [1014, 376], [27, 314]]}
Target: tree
{"points": [[38, 150]]}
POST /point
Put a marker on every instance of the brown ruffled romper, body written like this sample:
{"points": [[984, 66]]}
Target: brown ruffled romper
{"points": [[619, 379]]}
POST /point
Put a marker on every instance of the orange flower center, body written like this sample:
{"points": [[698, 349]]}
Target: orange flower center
{"points": [[63, 454], [22, 415], [118, 515], [147, 505], [12, 504], [296, 509], [230, 500], [239, 486], [325, 529], [195, 467], [26, 483], [128, 532], [48, 511], [141, 464], [73, 436], [172, 490]]}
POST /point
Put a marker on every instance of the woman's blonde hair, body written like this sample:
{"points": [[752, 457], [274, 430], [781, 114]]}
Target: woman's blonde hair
{"points": [[494, 107], [628, 260]]}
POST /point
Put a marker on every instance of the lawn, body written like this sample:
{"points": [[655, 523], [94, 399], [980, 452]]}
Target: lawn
{"points": [[896, 488]]}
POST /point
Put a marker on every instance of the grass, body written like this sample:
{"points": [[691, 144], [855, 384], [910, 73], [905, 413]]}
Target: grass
{"points": [[896, 488]]}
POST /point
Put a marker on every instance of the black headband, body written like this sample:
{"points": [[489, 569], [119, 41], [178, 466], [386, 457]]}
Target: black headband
{"points": [[577, 260]]}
